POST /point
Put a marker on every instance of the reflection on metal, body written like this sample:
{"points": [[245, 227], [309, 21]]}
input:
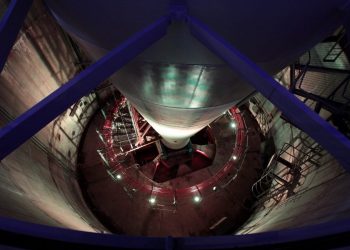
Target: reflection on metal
{"points": [[102, 155], [100, 136], [287, 170]]}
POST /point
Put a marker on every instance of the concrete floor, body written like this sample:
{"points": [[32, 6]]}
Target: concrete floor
{"points": [[127, 211]]}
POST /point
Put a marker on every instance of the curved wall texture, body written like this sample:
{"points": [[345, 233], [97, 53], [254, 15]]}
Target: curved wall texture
{"points": [[312, 195], [38, 180]]}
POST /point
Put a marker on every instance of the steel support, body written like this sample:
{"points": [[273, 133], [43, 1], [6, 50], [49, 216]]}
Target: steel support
{"points": [[334, 107], [321, 69], [19, 234], [29, 123], [320, 130], [10, 25]]}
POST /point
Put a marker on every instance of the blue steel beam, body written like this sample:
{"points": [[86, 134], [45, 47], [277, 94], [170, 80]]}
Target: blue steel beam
{"points": [[295, 110], [20, 234], [10, 25], [21, 129]]}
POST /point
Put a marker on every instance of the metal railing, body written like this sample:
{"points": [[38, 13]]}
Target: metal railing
{"points": [[120, 166], [287, 170]]}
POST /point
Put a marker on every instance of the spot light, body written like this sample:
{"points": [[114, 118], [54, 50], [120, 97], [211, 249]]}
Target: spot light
{"points": [[234, 157], [119, 176], [152, 200], [233, 125], [215, 188], [197, 199]]}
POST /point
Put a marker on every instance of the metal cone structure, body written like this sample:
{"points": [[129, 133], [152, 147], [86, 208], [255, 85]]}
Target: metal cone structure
{"points": [[177, 84]]}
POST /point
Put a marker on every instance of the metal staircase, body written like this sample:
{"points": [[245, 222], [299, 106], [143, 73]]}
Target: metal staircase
{"points": [[336, 49], [323, 88], [287, 170]]}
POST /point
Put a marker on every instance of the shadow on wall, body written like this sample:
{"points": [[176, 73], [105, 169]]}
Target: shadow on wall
{"points": [[306, 184], [39, 184]]}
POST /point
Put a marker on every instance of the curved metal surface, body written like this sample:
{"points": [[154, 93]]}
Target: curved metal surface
{"points": [[175, 83]]}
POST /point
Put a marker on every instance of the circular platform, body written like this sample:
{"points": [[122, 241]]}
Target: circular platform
{"points": [[137, 186]]}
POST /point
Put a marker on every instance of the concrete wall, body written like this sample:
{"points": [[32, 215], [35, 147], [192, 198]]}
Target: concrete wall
{"points": [[320, 195], [319, 191], [38, 181]]}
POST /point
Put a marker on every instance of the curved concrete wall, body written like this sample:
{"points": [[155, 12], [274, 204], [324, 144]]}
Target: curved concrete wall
{"points": [[38, 180], [319, 194]]}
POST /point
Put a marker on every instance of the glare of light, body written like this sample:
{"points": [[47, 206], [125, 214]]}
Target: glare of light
{"points": [[214, 188], [119, 177], [197, 199], [234, 157], [152, 200], [233, 125], [174, 137], [173, 132]]}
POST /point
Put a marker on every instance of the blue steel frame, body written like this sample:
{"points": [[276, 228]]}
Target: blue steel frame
{"points": [[30, 122], [10, 25], [295, 110], [329, 235], [20, 234]]}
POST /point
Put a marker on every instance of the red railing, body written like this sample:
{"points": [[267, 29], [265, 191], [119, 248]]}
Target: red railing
{"points": [[134, 179]]}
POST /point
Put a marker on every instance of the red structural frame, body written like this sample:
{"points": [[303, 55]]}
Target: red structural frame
{"points": [[166, 195]]}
